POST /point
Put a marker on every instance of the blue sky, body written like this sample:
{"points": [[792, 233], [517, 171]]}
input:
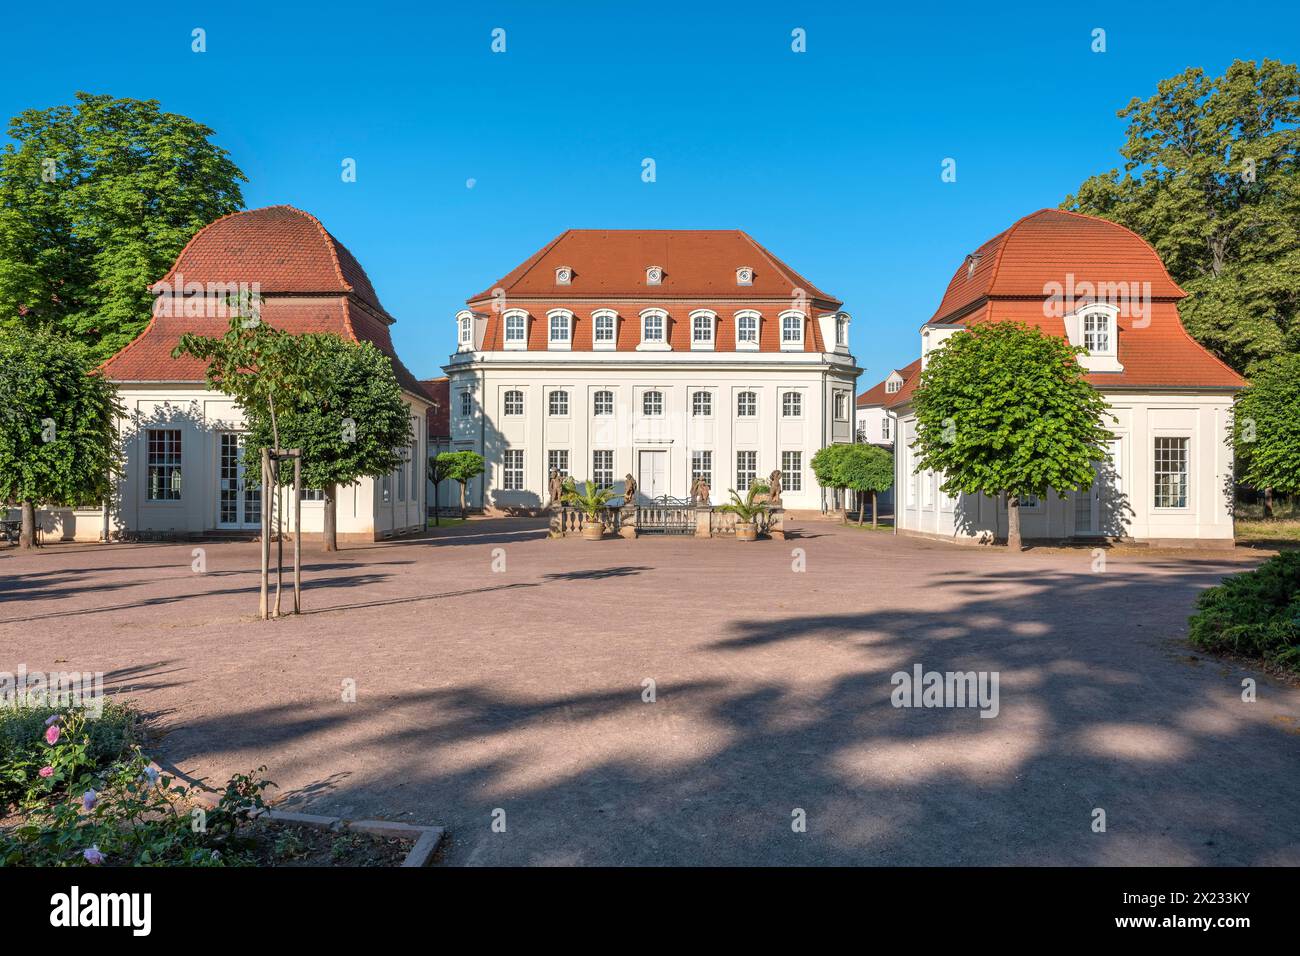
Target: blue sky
{"points": [[831, 158]]}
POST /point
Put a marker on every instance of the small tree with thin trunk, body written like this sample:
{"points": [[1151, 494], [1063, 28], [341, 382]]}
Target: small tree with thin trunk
{"points": [[1266, 427], [58, 426], [825, 466], [461, 467], [1004, 409], [866, 469]]}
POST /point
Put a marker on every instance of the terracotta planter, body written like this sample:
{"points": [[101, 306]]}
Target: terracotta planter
{"points": [[593, 530], [746, 531]]}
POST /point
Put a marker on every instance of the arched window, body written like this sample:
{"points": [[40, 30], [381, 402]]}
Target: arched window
{"points": [[653, 328], [747, 329], [514, 402], [602, 403], [792, 329], [465, 328], [516, 328], [560, 329], [603, 326], [702, 404], [652, 403], [703, 322], [746, 404], [559, 402], [466, 404]]}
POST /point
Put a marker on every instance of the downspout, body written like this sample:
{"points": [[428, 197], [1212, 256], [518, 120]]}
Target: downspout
{"points": [[481, 378]]}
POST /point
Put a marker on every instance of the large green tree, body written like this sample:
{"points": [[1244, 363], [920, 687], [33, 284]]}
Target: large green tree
{"points": [[58, 433], [96, 201], [353, 424], [1003, 409], [1266, 426], [1211, 179]]}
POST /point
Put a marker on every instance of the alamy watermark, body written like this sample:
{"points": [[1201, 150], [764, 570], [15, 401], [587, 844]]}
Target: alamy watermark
{"points": [[209, 300], [56, 690], [922, 688], [1131, 299]]}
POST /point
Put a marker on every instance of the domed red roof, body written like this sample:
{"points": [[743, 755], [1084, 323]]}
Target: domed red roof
{"points": [[281, 248], [1054, 246]]}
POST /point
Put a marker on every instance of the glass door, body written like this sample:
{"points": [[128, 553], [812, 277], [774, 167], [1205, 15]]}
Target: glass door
{"points": [[239, 488]]}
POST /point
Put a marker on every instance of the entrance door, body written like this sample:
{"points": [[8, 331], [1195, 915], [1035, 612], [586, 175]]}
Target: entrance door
{"points": [[652, 473], [239, 490], [1097, 509]]}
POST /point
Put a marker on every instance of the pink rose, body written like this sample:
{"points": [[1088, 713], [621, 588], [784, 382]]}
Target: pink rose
{"points": [[52, 734], [47, 771]]}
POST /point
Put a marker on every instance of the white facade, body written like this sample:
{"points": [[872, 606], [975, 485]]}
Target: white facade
{"points": [[660, 416], [1168, 480], [185, 474]]}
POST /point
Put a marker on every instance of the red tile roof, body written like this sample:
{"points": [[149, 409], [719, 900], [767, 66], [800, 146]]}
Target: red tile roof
{"points": [[876, 394], [439, 416], [308, 282], [282, 248], [609, 271], [1013, 275]]}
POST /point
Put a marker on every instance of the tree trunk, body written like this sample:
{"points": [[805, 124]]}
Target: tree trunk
{"points": [[1013, 523], [27, 536], [330, 533], [862, 507], [1268, 502], [436, 522], [873, 510], [462, 500]]}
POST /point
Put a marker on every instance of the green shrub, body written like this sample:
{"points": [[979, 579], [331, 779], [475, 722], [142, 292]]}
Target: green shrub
{"points": [[23, 749], [1256, 613]]}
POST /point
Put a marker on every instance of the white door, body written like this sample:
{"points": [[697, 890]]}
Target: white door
{"points": [[652, 473], [1097, 509], [239, 489]]}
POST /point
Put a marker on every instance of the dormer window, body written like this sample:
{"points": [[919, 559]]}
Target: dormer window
{"points": [[560, 329], [564, 275], [703, 323], [516, 336], [892, 385], [654, 331], [792, 323], [747, 330], [1098, 333], [972, 261], [464, 330], [604, 328], [842, 331], [654, 275], [744, 276]]}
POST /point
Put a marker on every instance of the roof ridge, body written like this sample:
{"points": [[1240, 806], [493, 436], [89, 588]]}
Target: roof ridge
{"points": [[781, 266]]}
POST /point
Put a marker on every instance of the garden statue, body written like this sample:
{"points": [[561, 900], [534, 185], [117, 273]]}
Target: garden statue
{"points": [[700, 491], [556, 488], [774, 486], [629, 489]]}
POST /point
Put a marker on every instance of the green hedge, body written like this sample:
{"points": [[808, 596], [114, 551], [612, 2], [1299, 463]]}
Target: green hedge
{"points": [[1256, 613]]}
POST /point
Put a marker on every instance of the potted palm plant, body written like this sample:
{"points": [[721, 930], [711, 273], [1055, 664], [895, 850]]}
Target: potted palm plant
{"points": [[747, 510], [591, 501]]}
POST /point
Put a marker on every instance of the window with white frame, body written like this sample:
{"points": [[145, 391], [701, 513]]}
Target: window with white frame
{"points": [[791, 405], [1171, 472], [842, 331], [841, 406], [386, 488], [558, 402], [1097, 332], [311, 494], [702, 466], [746, 404], [516, 328], [466, 404], [164, 464], [746, 329], [401, 476], [512, 469], [702, 328], [791, 471], [653, 328], [602, 403], [602, 467], [652, 403], [561, 322], [746, 469], [513, 404], [466, 328], [602, 335], [1030, 502], [886, 431], [557, 459], [893, 385], [791, 329], [702, 404]]}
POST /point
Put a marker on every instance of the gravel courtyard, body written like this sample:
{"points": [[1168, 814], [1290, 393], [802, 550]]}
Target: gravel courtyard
{"points": [[521, 690]]}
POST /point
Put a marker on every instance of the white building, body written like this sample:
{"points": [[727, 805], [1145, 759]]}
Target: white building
{"points": [[185, 469], [669, 354], [1168, 477]]}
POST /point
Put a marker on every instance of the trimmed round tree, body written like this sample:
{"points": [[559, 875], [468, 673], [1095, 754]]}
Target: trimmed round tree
{"points": [[1266, 427], [1004, 409], [461, 467], [353, 425], [825, 465], [866, 469], [58, 425]]}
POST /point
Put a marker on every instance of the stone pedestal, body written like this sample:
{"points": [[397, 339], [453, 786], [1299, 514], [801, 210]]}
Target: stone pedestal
{"points": [[627, 521], [776, 524], [703, 522]]}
